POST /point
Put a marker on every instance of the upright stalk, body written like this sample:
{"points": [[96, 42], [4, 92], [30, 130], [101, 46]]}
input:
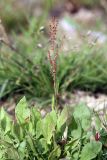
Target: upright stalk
{"points": [[53, 53]]}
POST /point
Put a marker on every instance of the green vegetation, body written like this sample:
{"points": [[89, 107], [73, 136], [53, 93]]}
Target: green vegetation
{"points": [[11, 15], [90, 3], [67, 134], [35, 67], [16, 14], [27, 71]]}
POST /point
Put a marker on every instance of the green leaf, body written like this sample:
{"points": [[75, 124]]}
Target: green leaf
{"points": [[48, 128], [42, 146], [82, 114], [5, 121], [32, 146], [72, 144], [21, 150], [53, 116], [55, 154], [2, 153], [6, 140], [76, 133], [17, 131], [35, 117], [91, 150], [39, 128], [29, 140], [12, 154], [62, 119], [22, 111]]}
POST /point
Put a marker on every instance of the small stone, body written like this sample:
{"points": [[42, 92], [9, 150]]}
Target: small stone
{"points": [[42, 29], [39, 45]]}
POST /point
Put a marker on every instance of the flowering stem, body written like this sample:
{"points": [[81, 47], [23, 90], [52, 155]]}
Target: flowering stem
{"points": [[53, 55]]}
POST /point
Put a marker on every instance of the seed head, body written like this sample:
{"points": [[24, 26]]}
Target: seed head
{"points": [[53, 52]]}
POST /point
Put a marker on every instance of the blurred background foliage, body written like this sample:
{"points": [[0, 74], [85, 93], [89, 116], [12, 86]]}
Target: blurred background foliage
{"points": [[24, 67], [16, 12]]}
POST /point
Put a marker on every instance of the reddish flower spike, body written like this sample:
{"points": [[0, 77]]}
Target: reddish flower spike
{"points": [[97, 136]]}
